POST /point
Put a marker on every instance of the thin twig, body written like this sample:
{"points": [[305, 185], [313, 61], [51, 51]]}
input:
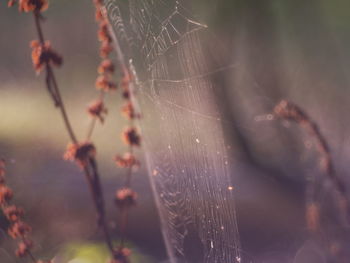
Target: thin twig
{"points": [[100, 201], [32, 257], [289, 111], [92, 179], [129, 170], [52, 79], [94, 120]]}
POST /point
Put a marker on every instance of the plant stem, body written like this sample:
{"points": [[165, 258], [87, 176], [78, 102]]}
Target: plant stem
{"points": [[32, 256], [50, 78], [94, 120], [92, 176]]}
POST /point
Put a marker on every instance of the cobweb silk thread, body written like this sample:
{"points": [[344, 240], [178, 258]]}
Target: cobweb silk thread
{"points": [[182, 130]]}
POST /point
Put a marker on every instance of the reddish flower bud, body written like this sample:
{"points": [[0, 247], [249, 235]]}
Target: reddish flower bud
{"points": [[131, 137], [125, 81], [97, 110], [126, 94], [19, 229], [125, 198], [6, 194], [98, 14], [33, 5], [23, 248], [103, 32], [105, 49], [104, 83], [42, 54], [2, 171], [129, 112], [13, 213], [80, 153], [106, 66], [127, 160]]}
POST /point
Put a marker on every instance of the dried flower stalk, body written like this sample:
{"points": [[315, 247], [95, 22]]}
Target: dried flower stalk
{"points": [[82, 152], [125, 197], [288, 111], [18, 229]]}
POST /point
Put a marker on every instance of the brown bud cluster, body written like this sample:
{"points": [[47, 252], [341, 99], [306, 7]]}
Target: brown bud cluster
{"points": [[80, 153], [43, 54], [125, 198], [106, 68], [29, 5], [103, 33], [18, 229], [2, 168], [33, 5], [125, 81], [104, 82], [13, 213], [24, 248], [128, 160], [6, 194], [129, 112], [98, 14], [131, 137], [97, 110], [125, 85], [105, 49]]}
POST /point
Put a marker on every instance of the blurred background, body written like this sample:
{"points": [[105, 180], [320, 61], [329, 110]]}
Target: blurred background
{"points": [[290, 49]]}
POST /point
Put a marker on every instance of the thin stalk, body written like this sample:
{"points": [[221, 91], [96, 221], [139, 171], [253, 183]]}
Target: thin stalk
{"points": [[92, 179], [93, 121], [100, 199], [91, 129], [61, 106], [96, 193], [123, 226], [129, 171], [125, 212], [51, 76], [289, 111], [32, 257]]}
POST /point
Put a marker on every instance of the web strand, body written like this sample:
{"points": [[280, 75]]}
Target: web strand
{"points": [[182, 130]]}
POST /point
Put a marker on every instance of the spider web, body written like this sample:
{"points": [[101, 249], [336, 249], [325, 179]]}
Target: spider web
{"points": [[182, 128]]}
